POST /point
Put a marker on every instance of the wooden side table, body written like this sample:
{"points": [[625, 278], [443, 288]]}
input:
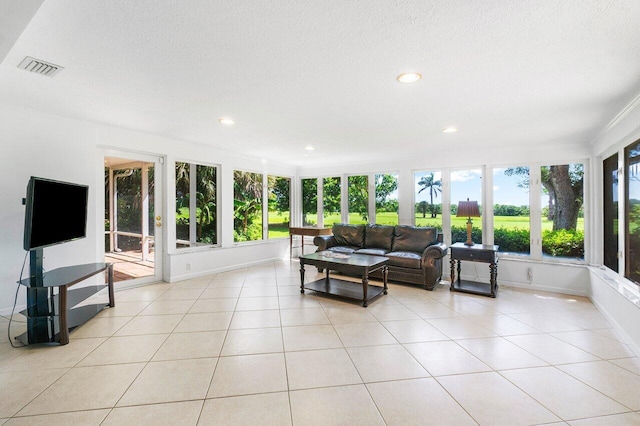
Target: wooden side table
{"points": [[476, 253], [303, 231]]}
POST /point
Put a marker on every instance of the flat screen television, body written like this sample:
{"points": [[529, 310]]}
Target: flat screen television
{"points": [[56, 212]]}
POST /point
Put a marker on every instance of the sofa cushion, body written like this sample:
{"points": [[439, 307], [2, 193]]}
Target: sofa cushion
{"points": [[348, 235], [378, 236], [409, 238], [405, 259], [372, 251]]}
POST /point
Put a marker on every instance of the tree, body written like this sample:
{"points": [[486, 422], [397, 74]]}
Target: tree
{"points": [[358, 190], [422, 207], [434, 186], [247, 202], [565, 187], [385, 185], [331, 195]]}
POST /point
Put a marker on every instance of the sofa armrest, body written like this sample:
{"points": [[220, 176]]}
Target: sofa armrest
{"points": [[324, 242], [437, 251]]}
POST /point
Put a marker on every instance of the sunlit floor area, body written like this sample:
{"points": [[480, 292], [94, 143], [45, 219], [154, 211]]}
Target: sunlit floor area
{"points": [[245, 347], [128, 265]]}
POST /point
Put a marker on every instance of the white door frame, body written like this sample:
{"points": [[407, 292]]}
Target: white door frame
{"points": [[159, 209]]}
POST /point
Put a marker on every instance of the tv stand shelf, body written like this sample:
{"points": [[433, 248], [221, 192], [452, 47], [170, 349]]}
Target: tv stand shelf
{"points": [[51, 316]]}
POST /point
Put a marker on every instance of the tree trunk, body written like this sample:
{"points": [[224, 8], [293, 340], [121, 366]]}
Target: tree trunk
{"points": [[567, 204]]}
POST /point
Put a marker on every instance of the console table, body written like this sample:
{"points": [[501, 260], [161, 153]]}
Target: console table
{"points": [[50, 316], [477, 253], [303, 231]]}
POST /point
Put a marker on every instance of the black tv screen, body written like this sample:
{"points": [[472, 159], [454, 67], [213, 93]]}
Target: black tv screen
{"points": [[56, 212]]}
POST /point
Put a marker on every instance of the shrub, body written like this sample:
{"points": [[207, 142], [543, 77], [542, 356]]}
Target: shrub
{"points": [[563, 243], [512, 240]]}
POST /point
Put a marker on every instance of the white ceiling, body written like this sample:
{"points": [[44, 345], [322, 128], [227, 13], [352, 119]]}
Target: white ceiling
{"points": [[322, 73]]}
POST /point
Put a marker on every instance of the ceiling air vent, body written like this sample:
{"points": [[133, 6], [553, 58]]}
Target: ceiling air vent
{"points": [[39, 67]]}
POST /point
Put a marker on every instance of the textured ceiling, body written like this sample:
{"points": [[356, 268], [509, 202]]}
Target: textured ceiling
{"points": [[298, 73]]}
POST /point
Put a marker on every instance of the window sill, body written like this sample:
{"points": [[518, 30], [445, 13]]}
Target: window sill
{"points": [[623, 286]]}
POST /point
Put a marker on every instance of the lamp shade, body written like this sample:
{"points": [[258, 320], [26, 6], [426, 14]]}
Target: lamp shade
{"points": [[468, 209]]}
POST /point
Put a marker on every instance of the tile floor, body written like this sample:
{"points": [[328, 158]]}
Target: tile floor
{"points": [[245, 347]]}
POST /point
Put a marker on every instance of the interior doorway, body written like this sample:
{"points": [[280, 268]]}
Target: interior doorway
{"points": [[131, 218]]}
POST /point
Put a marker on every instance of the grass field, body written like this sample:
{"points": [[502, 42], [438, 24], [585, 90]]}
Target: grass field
{"points": [[279, 224]]}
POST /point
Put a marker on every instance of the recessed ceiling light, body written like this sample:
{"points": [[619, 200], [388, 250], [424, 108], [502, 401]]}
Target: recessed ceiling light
{"points": [[226, 121], [408, 77], [449, 130], [309, 148]]}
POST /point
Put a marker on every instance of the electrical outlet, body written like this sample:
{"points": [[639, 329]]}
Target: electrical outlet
{"points": [[530, 274], [188, 266]]}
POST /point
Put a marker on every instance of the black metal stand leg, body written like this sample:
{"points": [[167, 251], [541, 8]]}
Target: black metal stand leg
{"points": [[365, 285], [301, 277], [385, 275]]}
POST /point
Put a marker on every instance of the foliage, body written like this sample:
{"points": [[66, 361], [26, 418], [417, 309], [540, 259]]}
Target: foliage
{"points": [[309, 200], [509, 210], [279, 194], [564, 242], [206, 202], [247, 206], [434, 186], [386, 184], [359, 196], [512, 240], [331, 195]]}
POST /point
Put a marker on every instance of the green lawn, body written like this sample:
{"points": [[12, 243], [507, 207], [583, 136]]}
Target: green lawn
{"points": [[279, 224]]}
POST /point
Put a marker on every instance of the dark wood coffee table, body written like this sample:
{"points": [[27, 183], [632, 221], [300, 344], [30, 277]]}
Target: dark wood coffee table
{"points": [[356, 264]]}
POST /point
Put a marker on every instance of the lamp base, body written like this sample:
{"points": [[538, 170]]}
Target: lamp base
{"points": [[469, 242]]}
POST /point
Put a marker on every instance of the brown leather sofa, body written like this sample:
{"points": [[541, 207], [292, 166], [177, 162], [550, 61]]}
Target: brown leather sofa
{"points": [[415, 254]]}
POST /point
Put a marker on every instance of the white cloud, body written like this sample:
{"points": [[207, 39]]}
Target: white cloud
{"points": [[496, 187], [464, 175]]}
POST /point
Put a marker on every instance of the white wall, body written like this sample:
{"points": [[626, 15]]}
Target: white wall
{"points": [[37, 144]]}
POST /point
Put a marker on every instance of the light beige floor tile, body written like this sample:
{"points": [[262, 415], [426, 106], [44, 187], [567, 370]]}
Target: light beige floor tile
{"points": [[253, 341], [565, 396], [260, 280], [344, 405], [413, 331], [99, 327], [213, 305], [249, 410], [349, 315], [550, 349], [125, 350], [310, 337], [195, 283], [404, 402], [545, 321], [503, 325], [445, 357], [298, 301], [168, 307], [18, 389], [208, 321], [201, 344], [140, 294], [388, 362], [613, 381], [248, 374], [392, 312], [595, 344], [257, 303], [469, 307], [181, 294], [627, 419], [586, 318], [173, 413], [220, 292], [123, 309], [504, 404], [611, 333], [255, 319], [226, 283], [364, 334], [500, 354], [326, 367], [53, 355], [630, 364], [307, 316], [248, 291], [292, 290], [168, 381], [153, 324], [85, 388], [86, 418], [460, 328]]}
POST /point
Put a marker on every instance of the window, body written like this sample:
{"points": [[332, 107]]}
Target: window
{"points": [[247, 206], [428, 199], [465, 184], [610, 211], [196, 205], [511, 216], [279, 206], [562, 214], [309, 202], [386, 199], [632, 212], [331, 200], [358, 199]]}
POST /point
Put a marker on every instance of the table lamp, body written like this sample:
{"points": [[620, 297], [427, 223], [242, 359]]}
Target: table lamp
{"points": [[468, 209]]}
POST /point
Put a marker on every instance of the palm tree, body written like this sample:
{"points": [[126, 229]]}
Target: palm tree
{"points": [[434, 186]]}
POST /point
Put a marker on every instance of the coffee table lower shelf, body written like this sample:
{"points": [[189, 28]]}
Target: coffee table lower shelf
{"points": [[346, 289], [473, 287]]}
